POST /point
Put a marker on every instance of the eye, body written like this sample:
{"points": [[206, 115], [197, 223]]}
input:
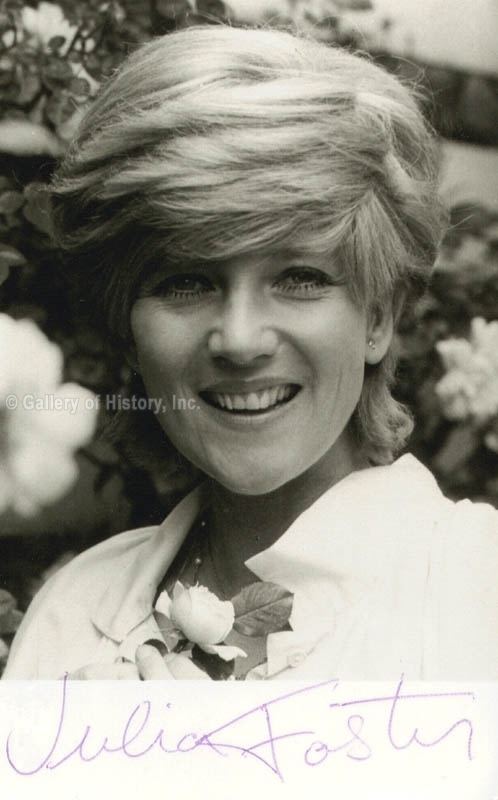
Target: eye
{"points": [[184, 287], [304, 281]]}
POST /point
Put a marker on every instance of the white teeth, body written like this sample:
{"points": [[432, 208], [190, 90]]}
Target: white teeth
{"points": [[253, 401], [272, 396], [264, 399], [283, 392]]}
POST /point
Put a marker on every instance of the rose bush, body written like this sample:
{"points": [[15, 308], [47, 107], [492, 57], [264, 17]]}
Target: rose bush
{"points": [[42, 422], [469, 389], [448, 370]]}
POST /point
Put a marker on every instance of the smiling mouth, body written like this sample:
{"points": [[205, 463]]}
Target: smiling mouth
{"points": [[252, 402]]}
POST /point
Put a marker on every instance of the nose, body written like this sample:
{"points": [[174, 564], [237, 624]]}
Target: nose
{"points": [[242, 334]]}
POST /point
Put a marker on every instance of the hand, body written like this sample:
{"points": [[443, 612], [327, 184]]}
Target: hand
{"points": [[117, 671], [152, 666]]}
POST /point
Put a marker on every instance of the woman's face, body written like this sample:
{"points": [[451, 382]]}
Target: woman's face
{"points": [[257, 364]]}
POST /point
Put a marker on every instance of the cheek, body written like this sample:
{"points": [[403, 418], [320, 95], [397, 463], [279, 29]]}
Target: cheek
{"points": [[336, 353], [163, 346], [334, 343]]}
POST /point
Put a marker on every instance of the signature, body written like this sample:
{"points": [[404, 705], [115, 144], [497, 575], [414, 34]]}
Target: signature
{"points": [[270, 747]]}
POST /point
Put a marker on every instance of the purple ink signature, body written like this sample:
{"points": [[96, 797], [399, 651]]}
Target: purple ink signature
{"points": [[139, 737]]}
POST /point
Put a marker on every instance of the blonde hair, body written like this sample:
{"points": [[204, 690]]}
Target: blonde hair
{"points": [[216, 141]]}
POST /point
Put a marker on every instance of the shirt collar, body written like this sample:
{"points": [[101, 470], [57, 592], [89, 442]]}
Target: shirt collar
{"points": [[129, 597], [326, 556]]}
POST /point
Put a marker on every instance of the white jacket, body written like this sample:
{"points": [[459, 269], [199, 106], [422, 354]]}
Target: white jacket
{"points": [[389, 578]]}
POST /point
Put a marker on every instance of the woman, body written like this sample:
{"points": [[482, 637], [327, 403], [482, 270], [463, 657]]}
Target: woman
{"points": [[250, 212]]}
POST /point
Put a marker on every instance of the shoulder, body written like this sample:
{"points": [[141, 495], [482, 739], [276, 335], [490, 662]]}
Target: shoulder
{"points": [[59, 617], [453, 548], [468, 541], [98, 598], [464, 591], [89, 573], [91, 564]]}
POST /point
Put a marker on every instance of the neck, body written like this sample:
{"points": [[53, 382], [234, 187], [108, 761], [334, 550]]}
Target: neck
{"points": [[243, 525]]}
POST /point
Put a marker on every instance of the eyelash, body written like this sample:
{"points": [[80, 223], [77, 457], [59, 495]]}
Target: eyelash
{"points": [[312, 280], [301, 281], [171, 287]]}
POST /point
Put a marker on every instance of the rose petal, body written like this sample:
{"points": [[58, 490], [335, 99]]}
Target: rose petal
{"points": [[226, 652], [72, 425], [35, 484], [178, 590], [163, 604]]}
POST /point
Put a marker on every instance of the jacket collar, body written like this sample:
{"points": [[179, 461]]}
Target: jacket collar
{"points": [[333, 550]]}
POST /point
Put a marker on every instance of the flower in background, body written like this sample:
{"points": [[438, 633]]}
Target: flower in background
{"points": [[45, 22], [42, 422], [469, 389]]}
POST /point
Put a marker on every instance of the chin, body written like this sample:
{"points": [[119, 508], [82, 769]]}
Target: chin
{"points": [[255, 483]]}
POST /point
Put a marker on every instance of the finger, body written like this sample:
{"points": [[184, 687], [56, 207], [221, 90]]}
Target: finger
{"points": [[150, 664], [119, 671], [183, 669], [127, 672]]}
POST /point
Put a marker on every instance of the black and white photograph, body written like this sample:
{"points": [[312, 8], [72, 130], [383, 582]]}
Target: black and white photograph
{"points": [[249, 365]]}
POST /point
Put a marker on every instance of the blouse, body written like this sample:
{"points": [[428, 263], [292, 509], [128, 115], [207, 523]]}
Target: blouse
{"points": [[389, 578]]}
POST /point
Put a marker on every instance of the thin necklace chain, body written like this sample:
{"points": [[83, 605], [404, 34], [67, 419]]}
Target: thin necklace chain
{"points": [[198, 553]]}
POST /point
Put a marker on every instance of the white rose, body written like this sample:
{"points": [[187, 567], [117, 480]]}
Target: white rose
{"points": [[203, 618], [37, 464], [45, 22], [455, 393], [470, 386]]}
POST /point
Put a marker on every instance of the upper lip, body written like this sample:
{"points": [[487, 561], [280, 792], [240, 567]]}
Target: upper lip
{"points": [[247, 386]]}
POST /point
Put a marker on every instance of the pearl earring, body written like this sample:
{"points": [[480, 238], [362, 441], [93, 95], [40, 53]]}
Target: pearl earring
{"points": [[372, 344]]}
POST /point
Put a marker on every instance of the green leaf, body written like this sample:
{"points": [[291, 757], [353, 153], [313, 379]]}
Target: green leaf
{"points": [[214, 9], [10, 617], [262, 608], [56, 41], [172, 9], [79, 87], [29, 88], [10, 202], [461, 444], [4, 272], [7, 602], [57, 70], [37, 207], [10, 622], [10, 257]]}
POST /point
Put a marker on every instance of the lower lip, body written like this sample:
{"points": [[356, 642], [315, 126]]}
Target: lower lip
{"points": [[241, 420]]}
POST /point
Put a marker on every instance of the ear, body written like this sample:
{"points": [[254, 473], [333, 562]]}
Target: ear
{"points": [[379, 334]]}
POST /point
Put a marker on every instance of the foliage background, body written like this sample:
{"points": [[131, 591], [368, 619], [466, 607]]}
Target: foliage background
{"points": [[52, 60]]}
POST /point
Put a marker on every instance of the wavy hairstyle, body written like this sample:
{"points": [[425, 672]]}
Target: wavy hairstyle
{"points": [[216, 141]]}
